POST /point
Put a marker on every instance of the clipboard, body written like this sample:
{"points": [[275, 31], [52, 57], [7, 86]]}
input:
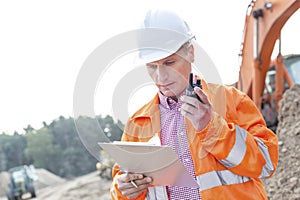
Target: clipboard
{"points": [[160, 163]]}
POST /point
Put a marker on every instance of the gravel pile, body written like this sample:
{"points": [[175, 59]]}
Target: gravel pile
{"points": [[285, 183]]}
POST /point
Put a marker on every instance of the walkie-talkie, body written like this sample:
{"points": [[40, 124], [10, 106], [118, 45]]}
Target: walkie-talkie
{"points": [[190, 88]]}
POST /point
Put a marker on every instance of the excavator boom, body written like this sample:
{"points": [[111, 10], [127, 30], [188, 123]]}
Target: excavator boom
{"points": [[263, 24]]}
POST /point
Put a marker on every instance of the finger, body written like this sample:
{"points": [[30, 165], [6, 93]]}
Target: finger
{"points": [[129, 177], [144, 181], [134, 184], [201, 95], [138, 179], [141, 184], [189, 108], [124, 180], [187, 115], [190, 100], [128, 186], [134, 194], [131, 191]]}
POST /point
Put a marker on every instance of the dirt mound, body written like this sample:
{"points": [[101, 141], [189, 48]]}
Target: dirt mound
{"points": [[4, 178], [285, 183], [51, 187], [87, 187], [46, 178]]}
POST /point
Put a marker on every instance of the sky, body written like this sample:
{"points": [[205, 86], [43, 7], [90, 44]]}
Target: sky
{"points": [[43, 45]]}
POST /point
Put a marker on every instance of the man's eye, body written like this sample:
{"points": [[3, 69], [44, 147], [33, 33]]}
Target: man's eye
{"points": [[168, 63]]}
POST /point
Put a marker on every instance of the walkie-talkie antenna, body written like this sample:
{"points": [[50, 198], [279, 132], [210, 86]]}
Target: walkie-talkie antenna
{"points": [[198, 83], [191, 82], [190, 88]]}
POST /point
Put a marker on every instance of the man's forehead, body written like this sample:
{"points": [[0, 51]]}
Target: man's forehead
{"points": [[178, 54], [163, 59]]}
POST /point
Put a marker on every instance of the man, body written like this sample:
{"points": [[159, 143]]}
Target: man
{"points": [[227, 149]]}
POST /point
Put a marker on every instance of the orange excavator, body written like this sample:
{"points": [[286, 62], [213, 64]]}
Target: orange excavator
{"points": [[263, 79]]}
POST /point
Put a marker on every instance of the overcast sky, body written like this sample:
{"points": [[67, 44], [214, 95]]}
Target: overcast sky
{"points": [[43, 45]]}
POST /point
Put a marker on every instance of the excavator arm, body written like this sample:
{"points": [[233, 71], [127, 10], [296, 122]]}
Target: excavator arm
{"points": [[264, 21]]}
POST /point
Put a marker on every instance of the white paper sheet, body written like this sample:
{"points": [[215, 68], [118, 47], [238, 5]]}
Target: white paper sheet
{"points": [[159, 162]]}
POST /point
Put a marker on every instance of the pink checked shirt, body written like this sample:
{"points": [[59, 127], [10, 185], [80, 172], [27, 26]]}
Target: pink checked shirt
{"points": [[173, 133]]}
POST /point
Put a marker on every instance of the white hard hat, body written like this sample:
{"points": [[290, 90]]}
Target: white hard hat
{"points": [[162, 33]]}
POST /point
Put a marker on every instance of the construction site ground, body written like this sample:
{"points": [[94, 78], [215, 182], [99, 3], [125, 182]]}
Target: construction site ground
{"points": [[285, 183], [52, 187]]}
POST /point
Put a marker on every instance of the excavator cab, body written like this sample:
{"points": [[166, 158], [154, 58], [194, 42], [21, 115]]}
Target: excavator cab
{"points": [[275, 86], [292, 63], [268, 103]]}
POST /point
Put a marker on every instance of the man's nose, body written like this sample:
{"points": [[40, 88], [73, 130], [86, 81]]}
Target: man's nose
{"points": [[162, 73]]}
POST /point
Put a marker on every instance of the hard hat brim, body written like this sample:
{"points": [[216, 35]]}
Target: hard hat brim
{"points": [[162, 43]]}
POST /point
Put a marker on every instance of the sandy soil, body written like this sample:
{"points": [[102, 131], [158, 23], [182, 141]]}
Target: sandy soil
{"points": [[285, 183], [88, 187]]}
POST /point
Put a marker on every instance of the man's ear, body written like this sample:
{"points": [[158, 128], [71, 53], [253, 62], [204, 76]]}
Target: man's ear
{"points": [[191, 53]]}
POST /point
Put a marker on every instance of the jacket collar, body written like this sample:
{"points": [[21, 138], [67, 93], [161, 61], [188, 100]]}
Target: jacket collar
{"points": [[151, 109]]}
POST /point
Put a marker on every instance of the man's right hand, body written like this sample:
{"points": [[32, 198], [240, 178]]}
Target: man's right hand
{"points": [[128, 189]]}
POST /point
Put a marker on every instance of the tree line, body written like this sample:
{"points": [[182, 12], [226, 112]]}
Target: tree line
{"points": [[57, 146]]}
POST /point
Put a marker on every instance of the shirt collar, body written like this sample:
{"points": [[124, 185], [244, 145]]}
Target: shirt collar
{"points": [[168, 102]]}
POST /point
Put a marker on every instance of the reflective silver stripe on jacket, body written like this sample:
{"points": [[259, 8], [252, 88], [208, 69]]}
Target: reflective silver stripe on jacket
{"points": [[157, 193], [238, 151], [268, 168], [218, 178]]}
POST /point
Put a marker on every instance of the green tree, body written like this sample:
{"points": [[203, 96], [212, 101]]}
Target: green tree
{"points": [[41, 149], [12, 150], [3, 161], [75, 159], [112, 130], [58, 147]]}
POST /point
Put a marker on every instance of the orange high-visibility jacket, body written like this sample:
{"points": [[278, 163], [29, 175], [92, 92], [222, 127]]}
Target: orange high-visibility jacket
{"points": [[230, 155]]}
